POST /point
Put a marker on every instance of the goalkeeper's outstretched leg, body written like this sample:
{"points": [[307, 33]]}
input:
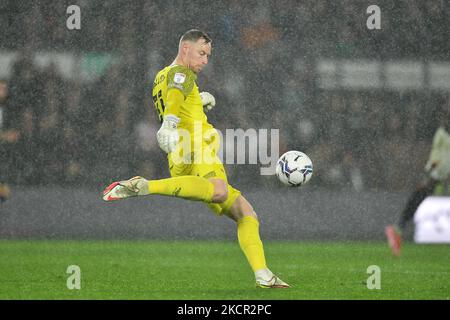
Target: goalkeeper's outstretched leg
{"points": [[186, 187]]}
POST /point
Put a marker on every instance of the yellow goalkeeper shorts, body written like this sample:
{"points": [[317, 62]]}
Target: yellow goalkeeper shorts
{"points": [[208, 168]]}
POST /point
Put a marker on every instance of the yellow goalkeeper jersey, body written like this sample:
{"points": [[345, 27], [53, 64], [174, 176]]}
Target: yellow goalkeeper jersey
{"points": [[183, 79]]}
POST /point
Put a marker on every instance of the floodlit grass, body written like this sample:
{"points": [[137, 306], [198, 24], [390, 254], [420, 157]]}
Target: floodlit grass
{"points": [[218, 270]]}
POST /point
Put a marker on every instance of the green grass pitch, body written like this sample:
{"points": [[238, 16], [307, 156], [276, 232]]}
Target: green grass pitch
{"points": [[216, 270]]}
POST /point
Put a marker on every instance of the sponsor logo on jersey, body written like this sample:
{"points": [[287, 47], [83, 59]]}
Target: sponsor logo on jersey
{"points": [[179, 78]]}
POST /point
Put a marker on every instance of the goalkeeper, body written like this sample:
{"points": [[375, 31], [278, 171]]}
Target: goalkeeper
{"points": [[192, 144]]}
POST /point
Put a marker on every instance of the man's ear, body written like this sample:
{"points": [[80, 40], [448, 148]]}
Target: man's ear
{"points": [[185, 45]]}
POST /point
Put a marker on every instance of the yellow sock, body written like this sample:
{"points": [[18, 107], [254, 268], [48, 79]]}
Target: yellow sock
{"points": [[248, 236], [186, 187]]}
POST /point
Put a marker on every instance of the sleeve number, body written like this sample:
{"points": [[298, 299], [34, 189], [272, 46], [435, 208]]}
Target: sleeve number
{"points": [[159, 105]]}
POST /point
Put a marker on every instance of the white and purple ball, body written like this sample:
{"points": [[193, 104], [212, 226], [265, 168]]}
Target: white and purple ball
{"points": [[294, 168]]}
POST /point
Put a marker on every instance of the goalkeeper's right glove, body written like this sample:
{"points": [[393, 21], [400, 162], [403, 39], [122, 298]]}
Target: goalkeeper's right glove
{"points": [[208, 100], [167, 135]]}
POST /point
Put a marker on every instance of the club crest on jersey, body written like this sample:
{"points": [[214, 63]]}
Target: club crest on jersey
{"points": [[179, 78]]}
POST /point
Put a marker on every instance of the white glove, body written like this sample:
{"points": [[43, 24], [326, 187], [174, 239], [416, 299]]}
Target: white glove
{"points": [[208, 100], [167, 135]]}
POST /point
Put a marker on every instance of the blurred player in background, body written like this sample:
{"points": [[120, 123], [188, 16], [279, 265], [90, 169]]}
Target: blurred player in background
{"points": [[198, 175], [437, 172]]}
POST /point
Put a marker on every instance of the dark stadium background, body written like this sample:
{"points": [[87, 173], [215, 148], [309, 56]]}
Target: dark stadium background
{"points": [[79, 111]]}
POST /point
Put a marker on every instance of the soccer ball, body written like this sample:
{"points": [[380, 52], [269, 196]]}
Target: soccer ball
{"points": [[294, 168]]}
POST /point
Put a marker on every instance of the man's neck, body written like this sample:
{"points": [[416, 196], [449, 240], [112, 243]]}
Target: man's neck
{"points": [[179, 61]]}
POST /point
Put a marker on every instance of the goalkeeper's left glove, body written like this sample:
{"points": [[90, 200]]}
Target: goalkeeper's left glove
{"points": [[208, 100]]}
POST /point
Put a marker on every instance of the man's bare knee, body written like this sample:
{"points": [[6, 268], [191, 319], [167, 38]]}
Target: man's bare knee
{"points": [[241, 208], [220, 190]]}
